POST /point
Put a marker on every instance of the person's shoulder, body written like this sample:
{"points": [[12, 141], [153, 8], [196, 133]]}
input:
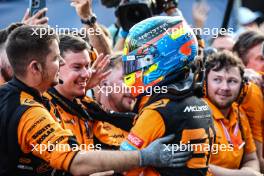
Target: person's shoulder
{"points": [[239, 112], [251, 93], [47, 95], [87, 99], [28, 100], [254, 87], [6, 89], [157, 104], [250, 87]]}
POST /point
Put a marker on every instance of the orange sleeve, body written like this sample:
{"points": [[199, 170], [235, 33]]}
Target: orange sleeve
{"points": [[109, 134], [38, 133], [149, 126], [253, 106], [248, 138]]}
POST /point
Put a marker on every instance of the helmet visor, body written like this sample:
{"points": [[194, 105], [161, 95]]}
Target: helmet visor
{"points": [[132, 63]]}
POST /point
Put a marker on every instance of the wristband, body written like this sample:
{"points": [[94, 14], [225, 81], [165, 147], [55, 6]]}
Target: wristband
{"points": [[90, 21]]}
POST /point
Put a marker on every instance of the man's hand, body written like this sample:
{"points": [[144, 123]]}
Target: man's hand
{"points": [[98, 71], [158, 154], [35, 19], [200, 13], [82, 7]]}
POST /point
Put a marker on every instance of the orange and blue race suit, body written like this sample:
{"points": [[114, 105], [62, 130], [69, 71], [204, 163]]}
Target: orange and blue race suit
{"points": [[189, 118]]}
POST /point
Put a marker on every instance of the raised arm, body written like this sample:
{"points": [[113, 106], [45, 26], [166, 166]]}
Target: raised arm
{"points": [[96, 35]]}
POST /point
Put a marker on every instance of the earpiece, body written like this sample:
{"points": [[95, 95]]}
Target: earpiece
{"points": [[60, 81]]}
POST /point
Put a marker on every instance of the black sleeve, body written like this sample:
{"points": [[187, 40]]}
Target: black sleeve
{"points": [[118, 119]]}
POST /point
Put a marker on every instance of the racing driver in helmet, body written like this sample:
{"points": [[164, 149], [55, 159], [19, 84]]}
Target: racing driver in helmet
{"points": [[161, 69]]}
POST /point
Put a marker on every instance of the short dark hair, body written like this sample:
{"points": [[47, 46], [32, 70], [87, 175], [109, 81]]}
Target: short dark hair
{"points": [[5, 68], [28, 42], [223, 60], [3, 36], [69, 42], [5, 32], [245, 42]]}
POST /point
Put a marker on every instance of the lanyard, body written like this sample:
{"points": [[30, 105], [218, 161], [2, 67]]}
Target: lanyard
{"points": [[227, 133], [88, 129], [74, 108]]}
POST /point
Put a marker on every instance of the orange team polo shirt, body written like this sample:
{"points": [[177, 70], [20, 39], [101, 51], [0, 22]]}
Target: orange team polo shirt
{"points": [[262, 89], [81, 128], [223, 153], [37, 126], [253, 105]]}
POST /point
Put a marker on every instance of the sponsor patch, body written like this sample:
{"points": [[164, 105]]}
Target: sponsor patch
{"points": [[44, 136], [107, 127], [42, 130], [196, 108], [158, 104], [37, 122], [135, 140], [43, 167], [122, 136], [30, 102], [126, 146], [24, 160]]}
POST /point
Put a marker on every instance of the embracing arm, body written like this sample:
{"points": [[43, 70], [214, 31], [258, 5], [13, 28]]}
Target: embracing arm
{"points": [[250, 167], [98, 161]]}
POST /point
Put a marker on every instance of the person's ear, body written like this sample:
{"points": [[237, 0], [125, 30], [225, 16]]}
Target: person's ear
{"points": [[35, 66]]}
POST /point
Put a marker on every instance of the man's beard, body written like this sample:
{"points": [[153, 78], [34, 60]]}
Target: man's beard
{"points": [[225, 106], [46, 77], [119, 104], [54, 83], [222, 106]]}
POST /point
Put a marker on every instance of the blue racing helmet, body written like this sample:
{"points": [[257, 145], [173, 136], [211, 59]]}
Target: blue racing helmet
{"points": [[155, 48]]}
